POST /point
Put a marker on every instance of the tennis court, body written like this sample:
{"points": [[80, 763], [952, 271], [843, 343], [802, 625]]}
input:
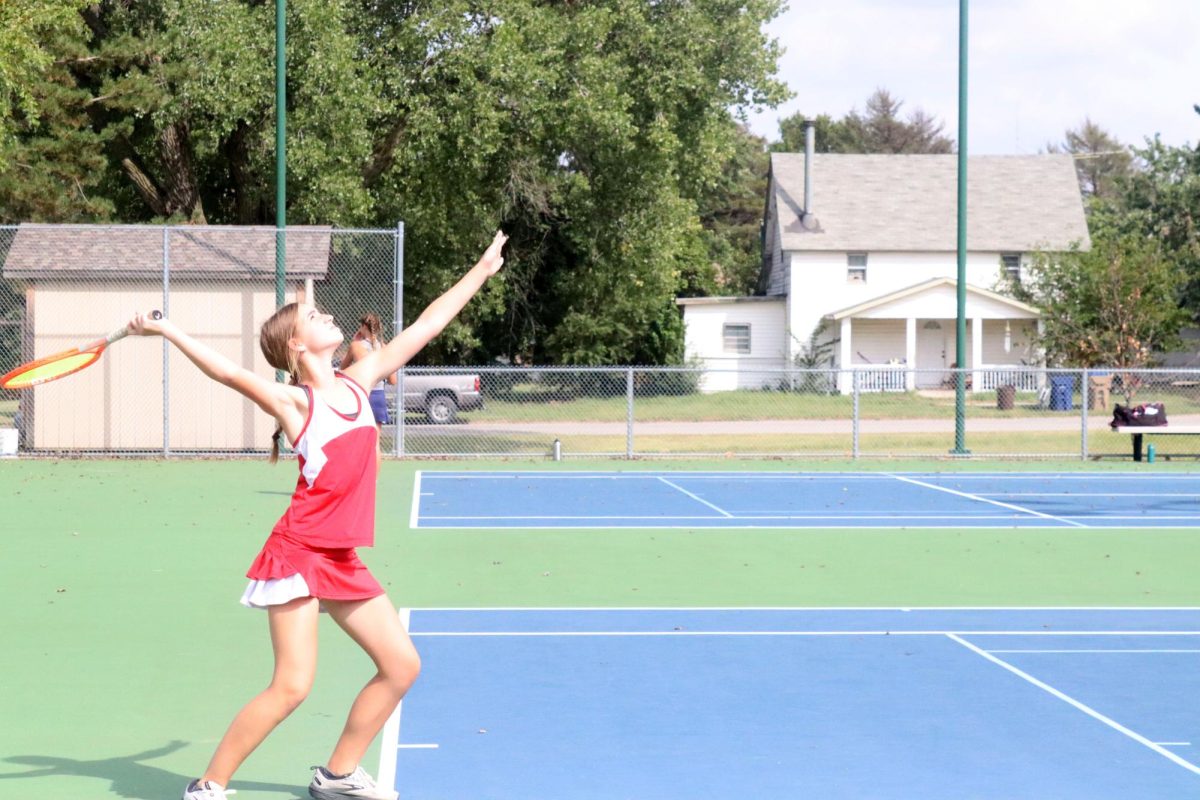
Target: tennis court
{"points": [[695, 632], [532, 499], [880, 703]]}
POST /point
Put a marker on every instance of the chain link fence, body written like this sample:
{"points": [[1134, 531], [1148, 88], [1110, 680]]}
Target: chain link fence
{"points": [[64, 285], [635, 412]]}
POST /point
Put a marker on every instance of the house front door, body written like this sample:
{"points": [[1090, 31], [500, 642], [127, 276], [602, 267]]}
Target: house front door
{"points": [[931, 353]]}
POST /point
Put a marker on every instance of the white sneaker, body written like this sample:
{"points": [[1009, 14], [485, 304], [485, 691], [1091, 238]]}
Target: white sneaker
{"points": [[357, 784], [206, 790]]}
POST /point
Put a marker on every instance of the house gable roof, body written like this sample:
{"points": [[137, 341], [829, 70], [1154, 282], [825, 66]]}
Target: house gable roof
{"points": [[877, 303], [909, 203], [218, 251]]}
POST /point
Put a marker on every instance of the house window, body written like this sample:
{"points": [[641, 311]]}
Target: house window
{"points": [[856, 267], [737, 338], [1011, 262]]}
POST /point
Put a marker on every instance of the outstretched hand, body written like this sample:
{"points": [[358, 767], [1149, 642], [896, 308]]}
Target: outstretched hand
{"points": [[492, 260], [144, 323]]}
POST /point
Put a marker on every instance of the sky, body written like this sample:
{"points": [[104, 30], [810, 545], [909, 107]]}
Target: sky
{"points": [[1035, 67]]}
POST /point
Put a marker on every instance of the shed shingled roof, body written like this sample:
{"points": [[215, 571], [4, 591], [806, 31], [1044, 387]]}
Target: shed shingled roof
{"points": [[219, 251]]}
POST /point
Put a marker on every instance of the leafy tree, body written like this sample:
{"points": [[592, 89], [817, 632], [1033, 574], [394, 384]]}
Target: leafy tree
{"points": [[879, 129], [52, 163], [594, 132], [1116, 304], [1161, 199], [1101, 161], [830, 135], [731, 211], [25, 57]]}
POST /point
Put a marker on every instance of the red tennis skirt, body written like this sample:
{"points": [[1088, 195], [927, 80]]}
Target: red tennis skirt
{"points": [[286, 569]]}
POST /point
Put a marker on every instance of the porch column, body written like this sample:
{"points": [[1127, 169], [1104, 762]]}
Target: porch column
{"points": [[910, 353], [844, 358], [1039, 356], [976, 354]]}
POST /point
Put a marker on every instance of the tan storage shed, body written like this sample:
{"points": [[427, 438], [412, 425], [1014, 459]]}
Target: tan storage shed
{"points": [[216, 282]]}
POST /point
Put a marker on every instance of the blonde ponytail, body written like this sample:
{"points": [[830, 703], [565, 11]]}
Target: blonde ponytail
{"points": [[273, 339]]}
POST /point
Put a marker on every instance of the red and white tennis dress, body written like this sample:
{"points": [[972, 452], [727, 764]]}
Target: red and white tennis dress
{"points": [[310, 552]]}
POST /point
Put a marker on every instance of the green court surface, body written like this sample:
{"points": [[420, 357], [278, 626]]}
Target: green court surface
{"points": [[126, 652]]}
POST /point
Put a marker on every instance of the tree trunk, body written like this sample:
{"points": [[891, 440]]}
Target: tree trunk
{"points": [[383, 155], [145, 187], [248, 208], [182, 194]]}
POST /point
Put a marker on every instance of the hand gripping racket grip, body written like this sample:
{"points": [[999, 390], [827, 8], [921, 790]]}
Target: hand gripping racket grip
{"points": [[123, 331]]}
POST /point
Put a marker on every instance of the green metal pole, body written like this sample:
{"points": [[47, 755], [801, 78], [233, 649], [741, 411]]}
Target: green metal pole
{"points": [[280, 146], [960, 327]]}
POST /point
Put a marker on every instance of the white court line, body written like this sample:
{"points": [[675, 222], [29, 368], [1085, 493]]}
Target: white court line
{"points": [[746, 516], [613, 634], [566, 516], [1193, 517], [1083, 476], [985, 500], [783, 513], [1174, 744], [701, 525], [847, 517], [414, 516], [1091, 712], [1089, 477], [635, 476], [1193, 495], [557, 609], [391, 729], [1094, 651], [697, 498]]}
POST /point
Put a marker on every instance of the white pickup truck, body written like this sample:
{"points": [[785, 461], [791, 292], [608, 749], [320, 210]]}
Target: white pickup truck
{"points": [[440, 397]]}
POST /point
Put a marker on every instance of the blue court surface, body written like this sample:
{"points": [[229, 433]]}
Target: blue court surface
{"points": [[803, 500], [797, 703]]}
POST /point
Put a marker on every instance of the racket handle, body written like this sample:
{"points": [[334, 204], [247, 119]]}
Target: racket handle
{"points": [[123, 331]]}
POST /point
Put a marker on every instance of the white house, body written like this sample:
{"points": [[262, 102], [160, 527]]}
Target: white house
{"points": [[741, 340], [869, 259]]}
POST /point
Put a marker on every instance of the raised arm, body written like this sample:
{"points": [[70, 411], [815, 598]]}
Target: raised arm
{"points": [[382, 363], [355, 352], [279, 400]]}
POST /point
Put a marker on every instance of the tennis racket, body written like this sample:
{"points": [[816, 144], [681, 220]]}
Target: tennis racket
{"points": [[60, 365]]}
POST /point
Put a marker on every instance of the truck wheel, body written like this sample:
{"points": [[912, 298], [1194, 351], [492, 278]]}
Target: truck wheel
{"points": [[441, 409]]}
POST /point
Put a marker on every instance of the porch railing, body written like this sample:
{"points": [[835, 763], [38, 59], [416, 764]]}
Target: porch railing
{"points": [[1024, 379], [882, 378]]}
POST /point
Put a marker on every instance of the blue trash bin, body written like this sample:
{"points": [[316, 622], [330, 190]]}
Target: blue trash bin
{"points": [[1062, 390]]}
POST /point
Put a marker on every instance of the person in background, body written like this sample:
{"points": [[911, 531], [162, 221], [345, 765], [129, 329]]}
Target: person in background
{"points": [[367, 339]]}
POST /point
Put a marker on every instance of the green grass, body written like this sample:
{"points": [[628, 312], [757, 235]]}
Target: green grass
{"points": [[753, 405]]}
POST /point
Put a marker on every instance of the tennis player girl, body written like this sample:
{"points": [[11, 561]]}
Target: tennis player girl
{"points": [[308, 562]]}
